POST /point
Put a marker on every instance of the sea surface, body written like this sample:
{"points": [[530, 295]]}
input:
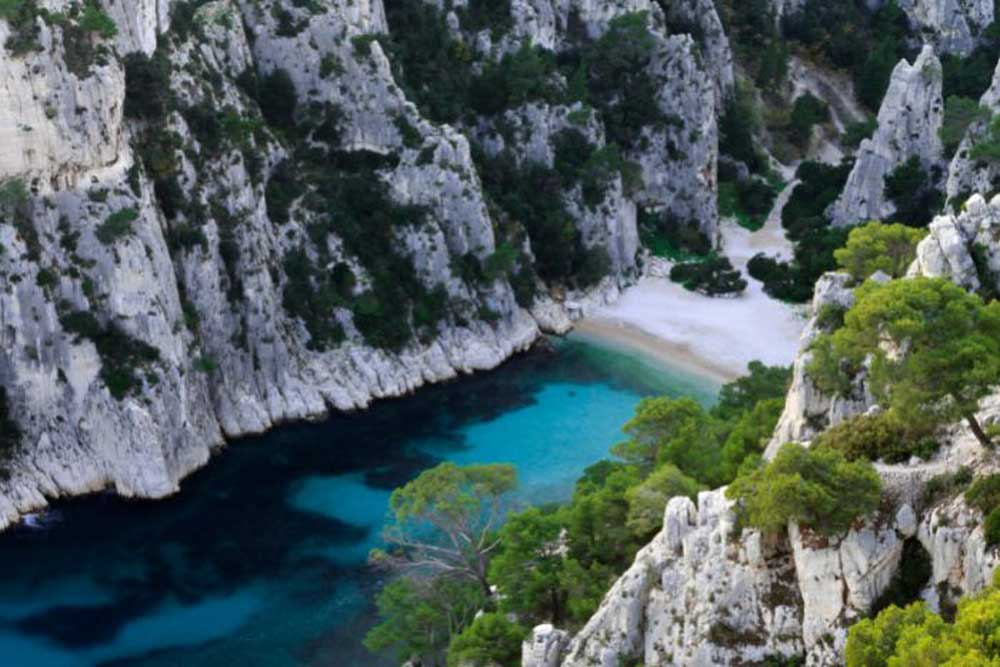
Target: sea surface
{"points": [[260, 560]]}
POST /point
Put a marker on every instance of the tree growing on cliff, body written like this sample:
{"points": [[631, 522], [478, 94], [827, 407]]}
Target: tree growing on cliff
{"points": [[445, 521], [816, 488], [879, 247], [934, 350]]}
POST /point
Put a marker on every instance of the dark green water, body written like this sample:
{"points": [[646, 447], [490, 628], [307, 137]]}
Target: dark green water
{"points": [[260, 560]]}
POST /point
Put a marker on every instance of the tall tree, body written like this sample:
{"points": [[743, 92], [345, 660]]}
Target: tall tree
{"points": [[445, 521], [934, 350]]}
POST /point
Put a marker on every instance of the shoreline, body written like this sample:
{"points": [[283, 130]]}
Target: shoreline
{"points": [[629, 338], [715, 338]]}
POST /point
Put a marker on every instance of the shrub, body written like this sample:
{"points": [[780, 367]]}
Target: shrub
{"points": [[117, 226], [807, 112], [748, 201], [912, 189], [122, 356], [95, 20], [959, 114], [857, 132], [946, 485], [648, 500], [668, 236], [10, 433], [714, 276], [490, 640], [877, 437], [737, 125], [147, 86], [817, 488], [277, 99], [878, 247]]}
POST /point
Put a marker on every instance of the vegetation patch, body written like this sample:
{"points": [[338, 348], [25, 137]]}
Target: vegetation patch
{"points": [[123, 357], [818, 488]]}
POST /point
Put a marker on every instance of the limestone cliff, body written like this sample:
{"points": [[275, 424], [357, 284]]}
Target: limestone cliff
{"points": [[267, 227]]}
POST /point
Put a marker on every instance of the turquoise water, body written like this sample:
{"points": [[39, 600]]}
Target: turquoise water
{"points": [[261, 559]]}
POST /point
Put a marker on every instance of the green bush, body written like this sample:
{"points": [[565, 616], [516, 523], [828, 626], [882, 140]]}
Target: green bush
{"points": [[277, 99], [714, 276], [806, 225], [22, 16], [147, 86], [117, 226], [748, 201], [122, 356], [648, 500], [96, 21], [947, 485], [857, 132], [817, 488], [807, 112], [490, 640], [737, 126], [971, 76], [10, 434], [668, 236], [913, 190], [959, 114], [879, 247], [877, 437]]}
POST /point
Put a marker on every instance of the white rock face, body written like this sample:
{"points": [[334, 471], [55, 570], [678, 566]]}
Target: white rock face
{"points": [[908, 126], [45, 141], [544, 648], [698, 594], [951, 26], [956, 243], [714, 42], [702, 593], [80, 437]]}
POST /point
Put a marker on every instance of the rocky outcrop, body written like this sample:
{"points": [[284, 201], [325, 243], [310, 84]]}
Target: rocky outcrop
{"points": [[964, 248], [698, 594], [705, 593], [908, 126], [677, 157], [700, 18], [808, 410], [545, 646]]}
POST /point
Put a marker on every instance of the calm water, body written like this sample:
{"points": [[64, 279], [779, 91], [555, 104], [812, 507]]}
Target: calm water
{"points": [[260, 560]]}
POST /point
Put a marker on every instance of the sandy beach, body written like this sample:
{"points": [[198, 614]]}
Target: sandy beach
{"points": [[716, 337]]}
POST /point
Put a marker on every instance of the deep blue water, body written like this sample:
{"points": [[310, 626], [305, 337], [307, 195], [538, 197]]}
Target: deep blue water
{"points": [[260, 560]]}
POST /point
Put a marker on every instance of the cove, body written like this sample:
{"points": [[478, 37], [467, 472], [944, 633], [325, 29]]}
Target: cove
{"points": [[260, 560]]}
